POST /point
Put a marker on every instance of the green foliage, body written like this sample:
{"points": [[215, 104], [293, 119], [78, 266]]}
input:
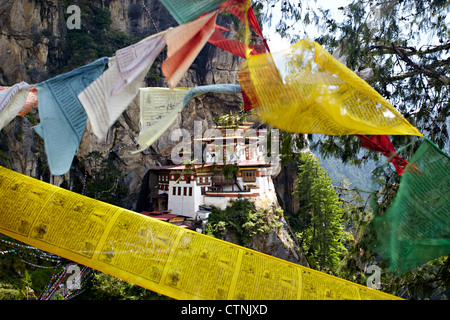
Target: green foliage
{"points": [[103, 183], [8, 292], [106, 287], [19, 280], [319, 222], [230, 119], [94, 39], [240, 222]]}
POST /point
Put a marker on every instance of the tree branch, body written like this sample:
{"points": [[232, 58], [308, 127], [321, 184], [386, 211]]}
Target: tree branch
{"points": [[428, 70], [410, 51]]}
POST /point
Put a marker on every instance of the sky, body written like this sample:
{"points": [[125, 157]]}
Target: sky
{"points": [[277, 43]]}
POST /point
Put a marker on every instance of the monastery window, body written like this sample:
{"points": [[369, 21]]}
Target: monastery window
{"points": [[179, 191], [203, 191], [249, 176], [184, 191], [190, 191], [174, 191]]}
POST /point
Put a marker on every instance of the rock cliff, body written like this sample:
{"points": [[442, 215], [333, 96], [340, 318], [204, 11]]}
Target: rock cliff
{"points": [[33, 46]]}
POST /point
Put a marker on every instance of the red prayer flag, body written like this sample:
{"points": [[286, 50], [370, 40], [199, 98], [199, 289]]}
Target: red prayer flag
{"points": [[383, 144], [30, 103], [184, 44], [233, 46], [237, 7], [236, 47]]}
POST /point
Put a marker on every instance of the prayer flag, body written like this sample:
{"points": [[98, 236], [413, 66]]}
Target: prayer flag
{"points": [[382, 144], [133, 60], [236, 47], [304, 89], [13, 107], [184, 43], [30, 103], [126, 71], [62, 115], [161, 106], [159, 109], [186, 10], [415, 228], [7, 93], [16, 100]]}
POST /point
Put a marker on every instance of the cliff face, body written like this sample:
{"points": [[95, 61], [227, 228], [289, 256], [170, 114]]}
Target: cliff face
{"points": [[30, 37], [33, 45]]}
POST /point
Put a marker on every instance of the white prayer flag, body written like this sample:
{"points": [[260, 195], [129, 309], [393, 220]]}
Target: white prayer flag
{"points": [[159, 109]]}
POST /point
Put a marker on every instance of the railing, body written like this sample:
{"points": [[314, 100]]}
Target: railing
{"points": [[231, 191], [223, 180]]}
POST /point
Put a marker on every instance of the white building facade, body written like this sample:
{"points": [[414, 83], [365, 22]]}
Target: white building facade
{"points": [[182, 190]]}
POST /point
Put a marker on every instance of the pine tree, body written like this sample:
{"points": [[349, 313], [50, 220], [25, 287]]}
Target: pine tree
{"points": [[319, 220]]}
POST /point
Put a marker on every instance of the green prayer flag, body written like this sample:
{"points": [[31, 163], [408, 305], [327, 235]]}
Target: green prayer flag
{"points": [[186, 10], [416, 226]]}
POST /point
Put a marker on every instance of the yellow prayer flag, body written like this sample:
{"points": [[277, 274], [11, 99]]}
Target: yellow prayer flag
{"points": [[305, 89], [160, 256]]}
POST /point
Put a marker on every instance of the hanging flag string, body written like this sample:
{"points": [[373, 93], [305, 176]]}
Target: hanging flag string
{"points": [[156, 28], [42, 255], [151, 18], [7, 251], [117, 148], [39, 266], [18, 244], [56, 285]]}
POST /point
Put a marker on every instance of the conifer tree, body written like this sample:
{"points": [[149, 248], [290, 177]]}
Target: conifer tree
{"points": [[319, 220]]}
